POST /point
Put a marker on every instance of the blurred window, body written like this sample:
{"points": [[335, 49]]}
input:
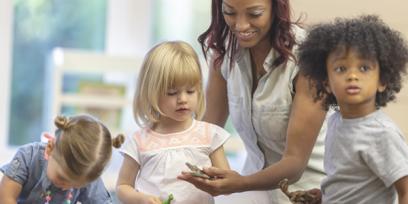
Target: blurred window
{"points": [[38, 27]]}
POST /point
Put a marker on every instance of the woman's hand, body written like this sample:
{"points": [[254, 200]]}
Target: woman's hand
{"points": [[224, 182]]}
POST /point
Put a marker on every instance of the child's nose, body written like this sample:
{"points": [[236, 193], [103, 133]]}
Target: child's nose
{"points": [[182, 97], [352, 75]]}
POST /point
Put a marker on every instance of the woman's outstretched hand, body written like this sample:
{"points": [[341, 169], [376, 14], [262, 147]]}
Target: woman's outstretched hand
{"points": [[222, 181]]}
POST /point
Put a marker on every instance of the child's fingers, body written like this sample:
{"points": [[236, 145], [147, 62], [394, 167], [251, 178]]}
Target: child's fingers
{"points": [[155, 200]]}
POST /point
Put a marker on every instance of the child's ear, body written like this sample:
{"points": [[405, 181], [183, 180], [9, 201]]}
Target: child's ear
{"points": [[381, 87], [50, 146], [327, 86]]}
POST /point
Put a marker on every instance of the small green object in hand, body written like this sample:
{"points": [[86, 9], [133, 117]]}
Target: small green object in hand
{"points": [[169, 199]]}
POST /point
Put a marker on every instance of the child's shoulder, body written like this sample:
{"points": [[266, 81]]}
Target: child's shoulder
{"points": [[383, 120], [383, 123], [199, 123], [140, 134], [28, 160], [32, 148], [333, 116], [211, 126]]}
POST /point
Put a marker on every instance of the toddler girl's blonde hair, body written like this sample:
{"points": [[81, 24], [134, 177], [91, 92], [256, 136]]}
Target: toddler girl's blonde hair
{"points": [[83, 146], [167, 65]]}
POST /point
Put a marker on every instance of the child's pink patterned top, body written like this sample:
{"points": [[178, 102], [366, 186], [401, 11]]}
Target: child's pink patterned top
{"points": [[162, 158]]}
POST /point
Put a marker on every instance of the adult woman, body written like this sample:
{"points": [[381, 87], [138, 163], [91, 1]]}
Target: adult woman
{"points": [[254, 79]]}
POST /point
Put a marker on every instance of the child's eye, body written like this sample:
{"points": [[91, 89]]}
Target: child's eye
{"points": [[171, 92], [340, 69], [364, 68], [192, 91]]}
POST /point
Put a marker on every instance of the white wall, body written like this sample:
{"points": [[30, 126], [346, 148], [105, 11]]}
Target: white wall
{"points": [[128, 33], [6, 13], [128, 27]]}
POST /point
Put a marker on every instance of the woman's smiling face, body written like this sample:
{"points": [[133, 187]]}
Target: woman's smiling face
{"points": [[249, 20]]}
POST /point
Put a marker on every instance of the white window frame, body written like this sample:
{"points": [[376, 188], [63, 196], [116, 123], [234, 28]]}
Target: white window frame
{"points": [[6, 22]]}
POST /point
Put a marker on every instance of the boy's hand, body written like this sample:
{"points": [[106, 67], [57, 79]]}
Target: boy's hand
{"points": [[312, 196]]}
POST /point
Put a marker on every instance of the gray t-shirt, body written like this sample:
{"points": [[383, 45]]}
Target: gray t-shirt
{"points": [[28, 167], [363, 158]]}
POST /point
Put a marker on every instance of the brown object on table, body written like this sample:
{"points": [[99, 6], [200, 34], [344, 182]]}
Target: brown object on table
{"points": [[298, 197]]}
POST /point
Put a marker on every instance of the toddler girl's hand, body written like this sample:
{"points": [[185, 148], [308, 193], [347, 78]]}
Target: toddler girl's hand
{"points": [[149, 199]]}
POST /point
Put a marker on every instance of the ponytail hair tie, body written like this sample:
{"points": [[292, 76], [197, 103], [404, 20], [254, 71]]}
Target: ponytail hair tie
{"points": [[118, 141], [61, 122]]}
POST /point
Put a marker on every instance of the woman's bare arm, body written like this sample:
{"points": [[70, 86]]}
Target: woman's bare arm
{"points": [[216, 98], [305, 121]]}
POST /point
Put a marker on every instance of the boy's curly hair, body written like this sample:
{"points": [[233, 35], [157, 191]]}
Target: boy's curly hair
{"points": [[371, 37]]}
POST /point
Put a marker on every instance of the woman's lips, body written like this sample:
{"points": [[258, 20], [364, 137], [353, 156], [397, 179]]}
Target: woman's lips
{"points": [[245, 36]]}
